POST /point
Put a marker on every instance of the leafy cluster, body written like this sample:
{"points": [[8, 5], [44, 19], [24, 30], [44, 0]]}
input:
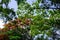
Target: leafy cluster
{"points": [[31, 21], [17, 29]]}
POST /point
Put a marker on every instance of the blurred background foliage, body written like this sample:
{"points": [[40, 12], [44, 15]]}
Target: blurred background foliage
{"points": [[32, 20]]}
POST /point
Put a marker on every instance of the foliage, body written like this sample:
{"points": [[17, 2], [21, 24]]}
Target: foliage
{"points": [[43, 20], [55, 1], [17, 29], [6, 13], [31, 21]]}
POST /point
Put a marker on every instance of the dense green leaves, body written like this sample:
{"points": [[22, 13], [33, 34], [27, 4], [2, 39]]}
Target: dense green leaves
{"points": [[43, 21], [55, 1]]}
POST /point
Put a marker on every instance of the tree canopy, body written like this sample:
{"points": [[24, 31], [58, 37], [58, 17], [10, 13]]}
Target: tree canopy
{"points": [[37, 21]]}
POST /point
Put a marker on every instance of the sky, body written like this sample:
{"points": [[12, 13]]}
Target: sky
{"points": [[31, 1], [1, 23], [13, 4]]}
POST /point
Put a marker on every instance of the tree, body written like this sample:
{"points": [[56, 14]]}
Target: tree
{"points": [[38, 23], [17, 29], [43, 20], [5, 12]]}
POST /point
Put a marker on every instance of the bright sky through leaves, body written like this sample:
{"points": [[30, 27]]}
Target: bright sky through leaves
{"points": [[1, 23], [13, 4]]}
